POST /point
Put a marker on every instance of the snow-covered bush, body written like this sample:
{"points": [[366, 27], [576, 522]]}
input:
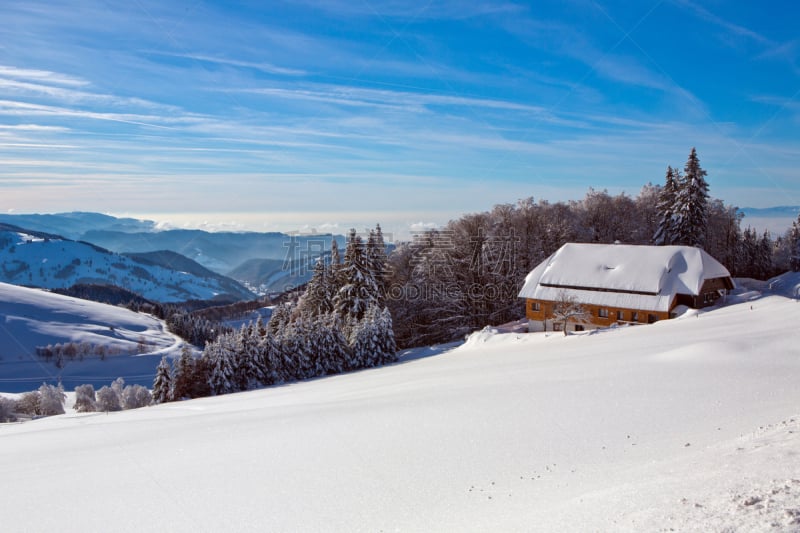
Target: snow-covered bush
{"points": [[85, 399], [51, 400], [7, 409], [135, 396], [28, 404], [108, 400]]}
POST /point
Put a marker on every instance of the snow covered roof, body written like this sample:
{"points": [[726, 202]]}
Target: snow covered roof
{"points": [[622, 275]]}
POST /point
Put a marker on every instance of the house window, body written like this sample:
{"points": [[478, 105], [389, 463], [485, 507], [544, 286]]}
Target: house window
{"points": [[602, 313], [651, 318], [536, 306], [634, 317], [620, 315], [578, 327]]}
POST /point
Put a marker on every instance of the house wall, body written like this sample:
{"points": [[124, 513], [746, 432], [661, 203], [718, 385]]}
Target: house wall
{"points": [[710, 291], [540, 319]]}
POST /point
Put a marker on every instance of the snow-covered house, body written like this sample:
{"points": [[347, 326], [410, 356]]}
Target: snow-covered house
{"points": [[619, 283]]}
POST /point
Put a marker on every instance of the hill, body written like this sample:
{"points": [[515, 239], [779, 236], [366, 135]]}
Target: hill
{"points": [[37, 259], [686, 424], [109, 341], [174, 261]]}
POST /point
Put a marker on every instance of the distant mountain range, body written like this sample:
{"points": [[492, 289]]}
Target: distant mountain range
{"points": [[39, 259], [781, 211], [266, 262], [75, 225]]}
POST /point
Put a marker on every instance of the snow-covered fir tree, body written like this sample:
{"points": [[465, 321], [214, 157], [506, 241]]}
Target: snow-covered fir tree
{"points": [[690, 204], [386, 340], [360, 289], [162, 384], [377, 260], [297, 350], [794, 246], [318, 297], [221, 355], [183, 375], [281, 316], [665, 232], [245, 358], [269, 363]]}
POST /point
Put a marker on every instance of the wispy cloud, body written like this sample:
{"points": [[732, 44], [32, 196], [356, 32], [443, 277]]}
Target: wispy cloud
{"points": [[24, 109], [44, 76], [255, 65], [734, 29]]}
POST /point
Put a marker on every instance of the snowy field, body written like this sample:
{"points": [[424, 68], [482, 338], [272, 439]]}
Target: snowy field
{"points": [[688, 425]]}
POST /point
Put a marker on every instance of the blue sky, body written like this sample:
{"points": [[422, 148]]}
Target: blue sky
{"points": [[332, 113]]}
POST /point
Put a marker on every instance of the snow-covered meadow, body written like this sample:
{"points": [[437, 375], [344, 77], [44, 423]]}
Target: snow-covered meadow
{"points": [[688, 424]]}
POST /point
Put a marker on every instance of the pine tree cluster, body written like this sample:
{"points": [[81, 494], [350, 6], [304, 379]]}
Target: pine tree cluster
{"points": [[339, 324]]}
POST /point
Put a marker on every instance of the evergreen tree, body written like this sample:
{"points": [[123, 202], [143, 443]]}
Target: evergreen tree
{"points": [[318, 298], [221, 354], [794, 246], [664, 234], [386, 341], [162, 384], [377, 260], [269, 361], [691, 201], [281, 316], [244, 356], [748, 254], [359, 290], [333, 345], [297, 350], [183, 375], [763, 266]]}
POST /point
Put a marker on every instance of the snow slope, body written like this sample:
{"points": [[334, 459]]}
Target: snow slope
{"points": [[689, 424], [34, 317]]}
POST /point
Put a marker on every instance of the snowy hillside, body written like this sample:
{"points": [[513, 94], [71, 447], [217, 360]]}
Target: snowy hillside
{"points": [[47, 261], [110, 341], [689, 424]]}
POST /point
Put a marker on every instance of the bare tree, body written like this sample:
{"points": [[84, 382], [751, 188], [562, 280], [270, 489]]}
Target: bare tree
{"points": [[567, 309]]}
